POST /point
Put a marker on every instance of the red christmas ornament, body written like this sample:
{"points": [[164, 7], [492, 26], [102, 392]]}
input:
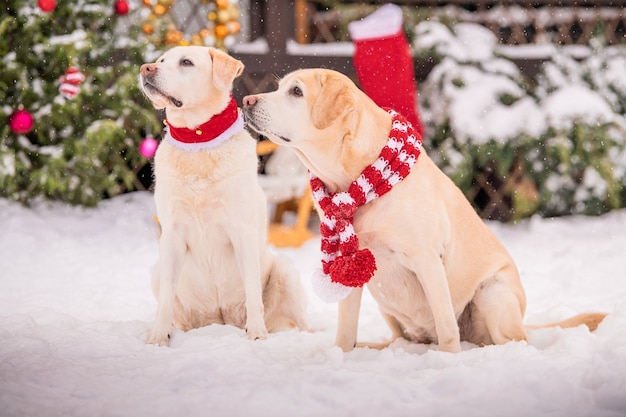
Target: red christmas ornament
{"points": [[148, 147], [121, 7], [70, 82], [21, 121], [47, 5]]}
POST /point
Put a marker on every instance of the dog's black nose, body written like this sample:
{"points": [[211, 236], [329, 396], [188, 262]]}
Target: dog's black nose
{"points": [[249, 101]]}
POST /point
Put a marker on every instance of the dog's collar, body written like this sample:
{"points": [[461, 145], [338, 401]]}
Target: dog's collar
{"points": [[210, 134]]}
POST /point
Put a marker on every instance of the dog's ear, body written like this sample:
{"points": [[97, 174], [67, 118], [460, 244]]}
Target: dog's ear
{"points": [[334, 101], [225, 69]]}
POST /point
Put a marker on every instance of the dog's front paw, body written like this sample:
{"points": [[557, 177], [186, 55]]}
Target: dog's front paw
{"points": [[256, 331], [159, 337], [452, 346], [345, 344]]}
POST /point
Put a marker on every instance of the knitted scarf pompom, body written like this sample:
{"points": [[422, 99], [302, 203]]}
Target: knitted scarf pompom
{"points": [[344, 264], [353, 270]]}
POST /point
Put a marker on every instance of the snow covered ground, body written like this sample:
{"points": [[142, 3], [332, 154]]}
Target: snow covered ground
{"points": [[76, 304]]}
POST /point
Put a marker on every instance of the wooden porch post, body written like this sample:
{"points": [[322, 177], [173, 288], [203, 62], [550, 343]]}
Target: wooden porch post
{"points": [[279, 24]]}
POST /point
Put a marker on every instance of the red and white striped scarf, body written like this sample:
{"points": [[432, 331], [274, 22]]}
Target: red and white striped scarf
{"points": [[344, 265]]}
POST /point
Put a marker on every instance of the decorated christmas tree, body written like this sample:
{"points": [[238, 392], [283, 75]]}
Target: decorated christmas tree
{"points": [[72, 118]]}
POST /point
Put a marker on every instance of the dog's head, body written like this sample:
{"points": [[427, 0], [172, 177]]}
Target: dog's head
{"points": [[308, 104], [190, 78], [331, 125]]}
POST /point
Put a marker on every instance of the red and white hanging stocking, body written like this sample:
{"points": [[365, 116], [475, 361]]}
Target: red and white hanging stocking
{"points": [[383, 62]]}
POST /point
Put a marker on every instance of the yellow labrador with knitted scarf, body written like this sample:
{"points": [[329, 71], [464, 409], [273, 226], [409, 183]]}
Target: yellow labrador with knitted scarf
{"points": [[214, 265], [392, 220]]}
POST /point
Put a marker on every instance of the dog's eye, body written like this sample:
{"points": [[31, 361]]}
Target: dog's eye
{"points": [[296, 91], [186, 63]]}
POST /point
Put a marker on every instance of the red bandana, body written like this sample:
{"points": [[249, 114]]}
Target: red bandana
{"points": [[209, 130], [344, 265]]}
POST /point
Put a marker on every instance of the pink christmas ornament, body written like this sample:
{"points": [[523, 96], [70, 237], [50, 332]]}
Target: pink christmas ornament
{"points": [[148, 147], [21, 121]]}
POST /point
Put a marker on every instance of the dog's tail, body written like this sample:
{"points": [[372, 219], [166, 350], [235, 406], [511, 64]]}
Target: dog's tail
{"points": [[591, 320]]}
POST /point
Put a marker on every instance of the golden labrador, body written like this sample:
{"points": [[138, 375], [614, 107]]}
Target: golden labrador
{"points": [[214, 265], [442, 276]]}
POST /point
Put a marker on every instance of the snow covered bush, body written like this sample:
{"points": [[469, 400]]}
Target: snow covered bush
{"points": [[580, 163], [564, 130]]}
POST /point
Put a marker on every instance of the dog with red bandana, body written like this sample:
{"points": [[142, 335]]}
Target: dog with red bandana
{"points": [[214, 265]]}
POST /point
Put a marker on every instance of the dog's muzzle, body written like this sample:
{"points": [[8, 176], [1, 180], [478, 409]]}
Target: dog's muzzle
{"points": [[150, 87]]}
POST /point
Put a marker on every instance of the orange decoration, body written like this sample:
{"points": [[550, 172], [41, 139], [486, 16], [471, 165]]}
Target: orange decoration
{"points": [[173, 37], [147, 28], [233, 26], [221, 31], [159, 10]]}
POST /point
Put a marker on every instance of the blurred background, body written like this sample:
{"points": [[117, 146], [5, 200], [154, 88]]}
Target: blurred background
{"points": [[522, 103]]}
